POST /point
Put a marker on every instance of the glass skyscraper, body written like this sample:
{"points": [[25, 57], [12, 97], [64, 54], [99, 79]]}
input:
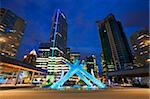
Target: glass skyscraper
{"points": [[11, 32], [59, 19], [52, 55], [117, 54]]}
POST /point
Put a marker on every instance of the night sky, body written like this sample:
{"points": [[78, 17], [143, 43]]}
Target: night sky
{"points": [[81, 18]]}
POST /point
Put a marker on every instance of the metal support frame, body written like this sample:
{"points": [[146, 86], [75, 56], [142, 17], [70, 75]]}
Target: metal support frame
{"points": [[77, 68]]}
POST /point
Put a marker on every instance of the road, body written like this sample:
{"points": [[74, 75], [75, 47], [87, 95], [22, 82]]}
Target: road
{"points": [[111, 93]]}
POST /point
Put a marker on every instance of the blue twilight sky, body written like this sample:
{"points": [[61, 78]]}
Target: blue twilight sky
{"points": [[81, 16]]}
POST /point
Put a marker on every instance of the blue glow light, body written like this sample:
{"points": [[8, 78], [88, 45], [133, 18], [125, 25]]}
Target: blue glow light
{"points": [[7, 30], [55, 31], [2, 80], [76, 68]]}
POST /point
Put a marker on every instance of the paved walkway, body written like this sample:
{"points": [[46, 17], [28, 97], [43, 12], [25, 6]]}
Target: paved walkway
{"points": [[111, 93]]}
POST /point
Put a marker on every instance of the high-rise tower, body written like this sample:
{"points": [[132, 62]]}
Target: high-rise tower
{"points": [[114, 44], [11, 32], [52, 55], [58, 33]]}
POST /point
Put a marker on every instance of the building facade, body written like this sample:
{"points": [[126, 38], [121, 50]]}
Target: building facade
{"points": [[106, 68], [74, 56], [11, 32], [30, 57], [68, 53], [92, 66], [58, 35], [56, 65], [114, 44], [14, 72], [140, 43]]}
